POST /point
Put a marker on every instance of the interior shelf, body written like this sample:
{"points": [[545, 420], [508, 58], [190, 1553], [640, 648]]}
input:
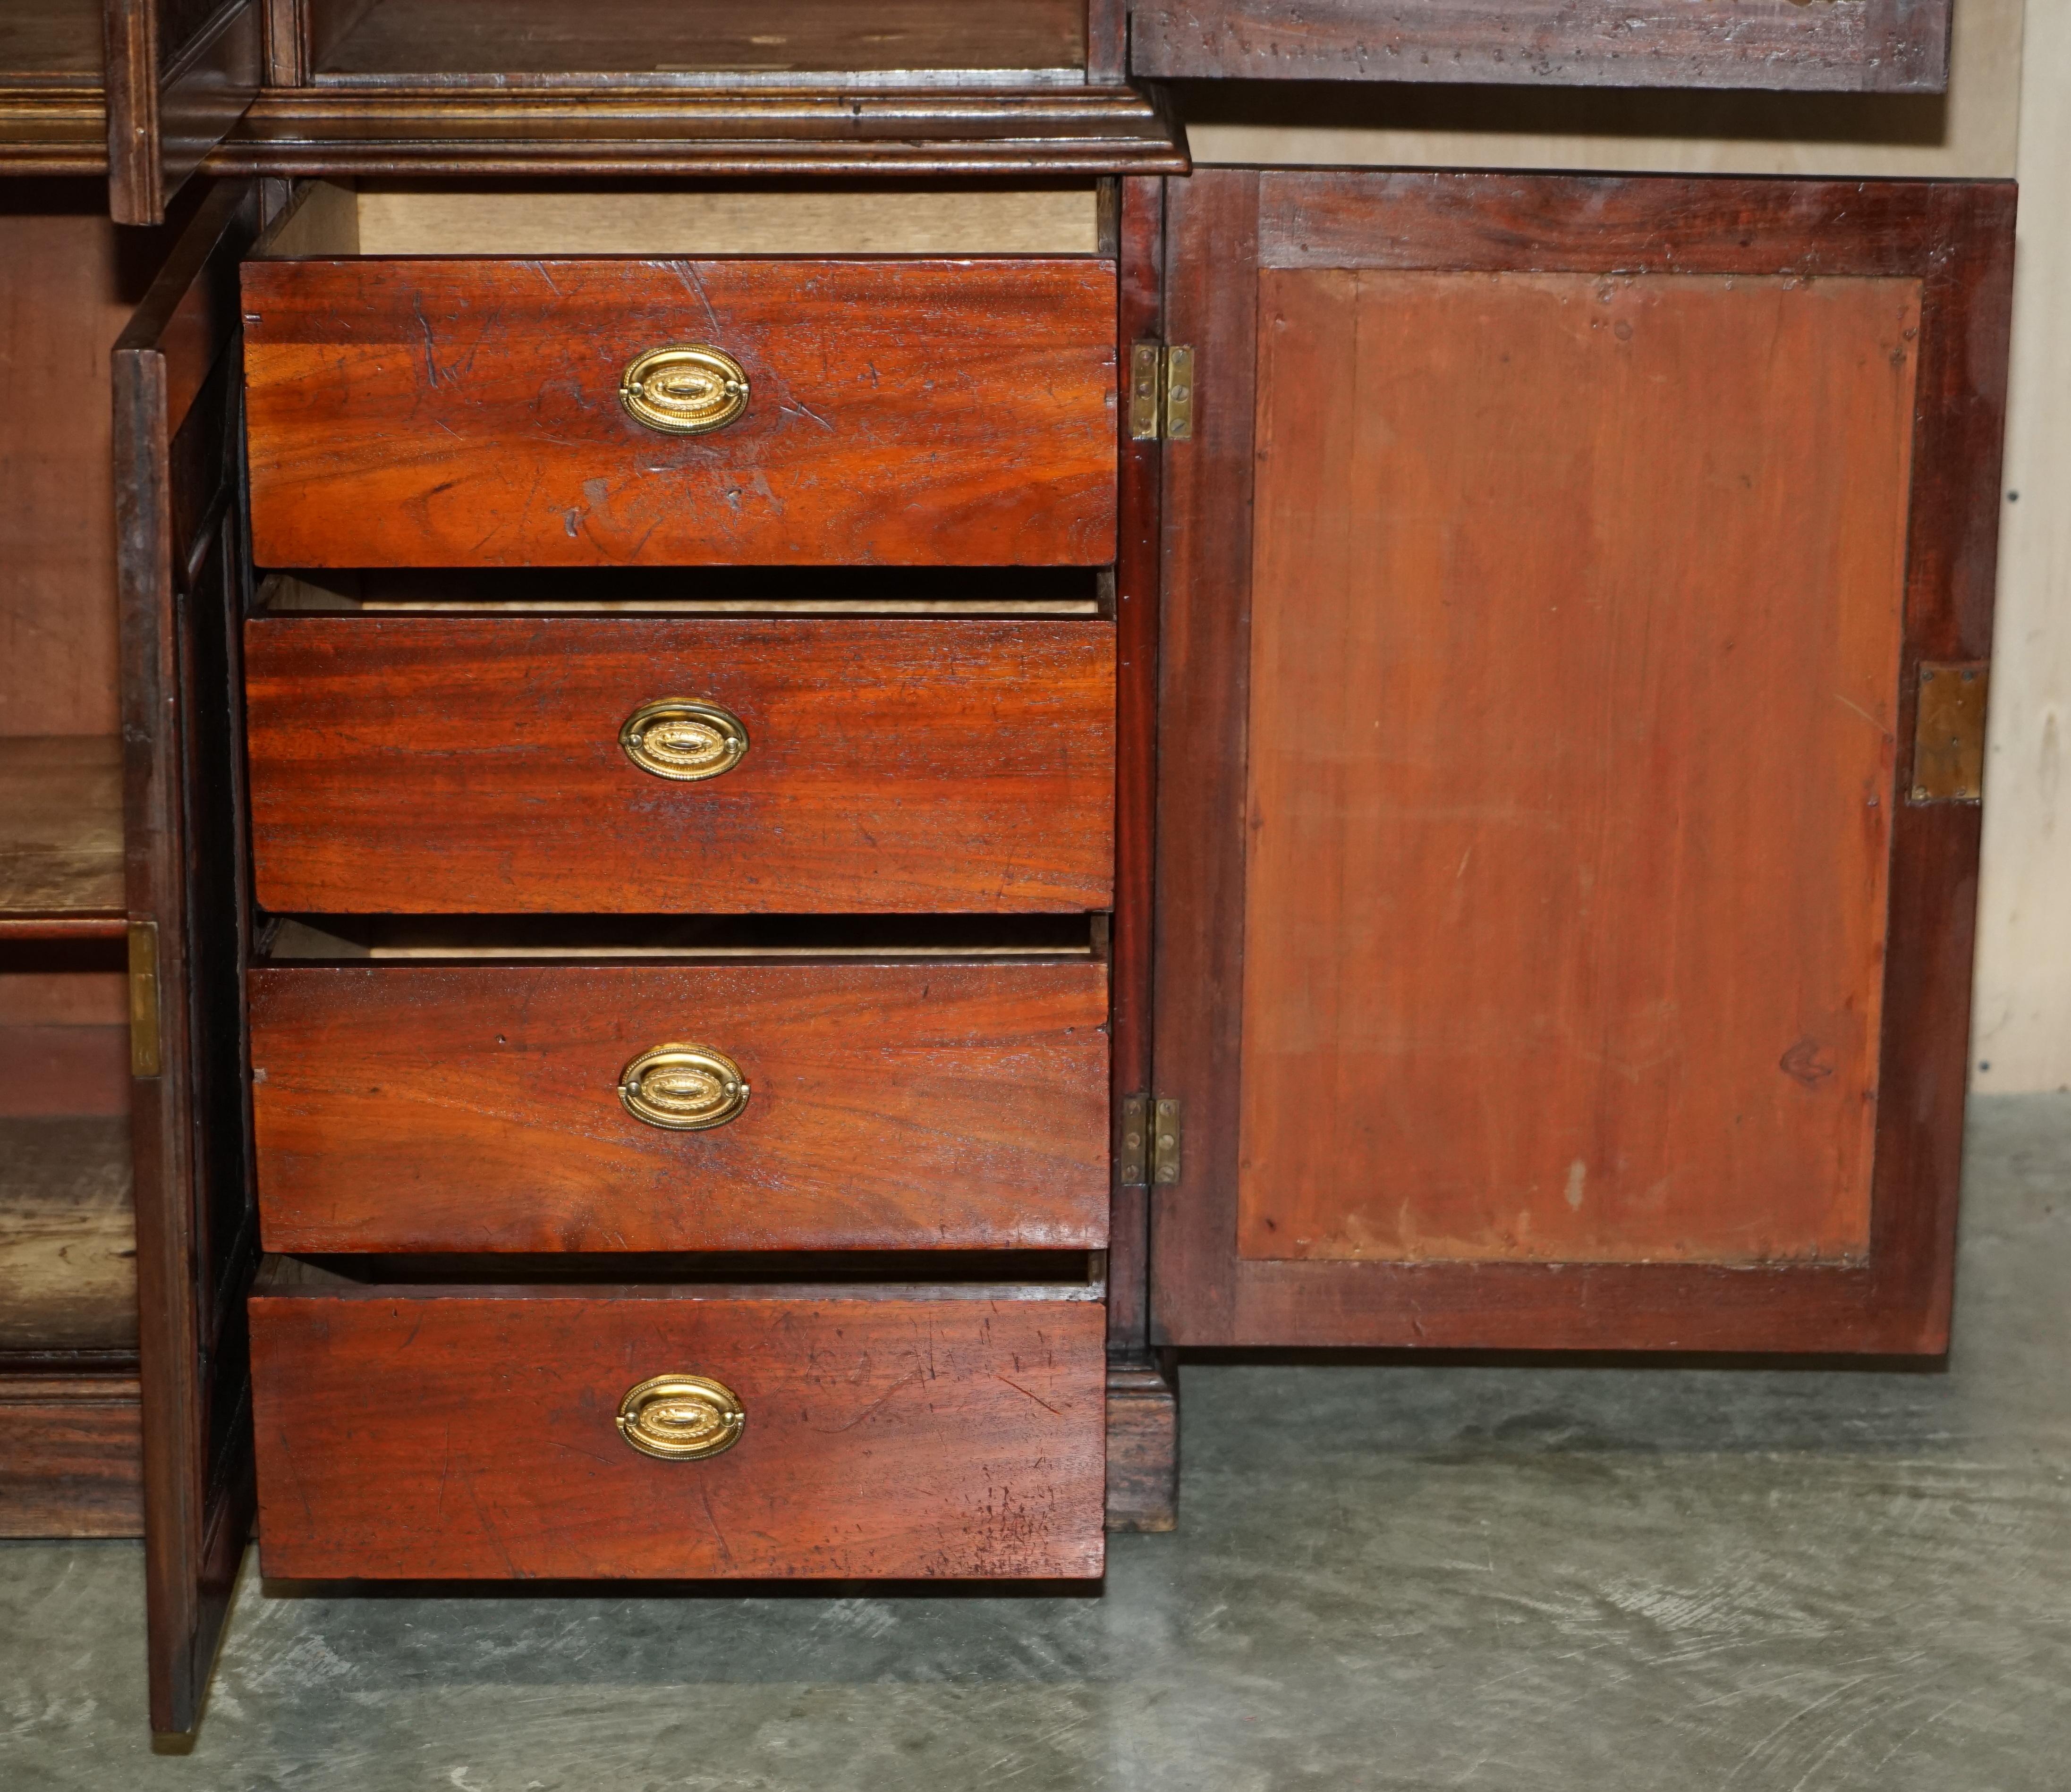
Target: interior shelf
{"points": [[61, 838], [674, 42], [68, 1238]]}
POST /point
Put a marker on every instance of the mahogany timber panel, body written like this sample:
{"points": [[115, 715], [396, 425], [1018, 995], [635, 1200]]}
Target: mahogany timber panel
{"points": [[1866, 46], [1956, 240], [62, 304], [472, 765], [466, 414], [919, 1106], [71, 1456], [604, 131], [418, 1431], [1576, 627]]}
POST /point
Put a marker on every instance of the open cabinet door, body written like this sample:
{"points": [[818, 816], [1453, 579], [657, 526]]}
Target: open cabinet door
{"points": [[1577, 591], [184, 572], [180, 73]]}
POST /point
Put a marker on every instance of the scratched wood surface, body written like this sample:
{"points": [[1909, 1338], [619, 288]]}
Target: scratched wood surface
{"points": [[426, 764], [466, 414], [409, 1432], [68, 1234], [1575, 624], [61, 834], [433, 38], [1870, 46], [448, 1108]]}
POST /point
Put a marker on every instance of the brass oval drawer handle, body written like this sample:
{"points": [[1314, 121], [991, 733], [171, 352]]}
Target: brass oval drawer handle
{"points": [[686, 1088], [681, 1417], [683, 738], [685, 391]]}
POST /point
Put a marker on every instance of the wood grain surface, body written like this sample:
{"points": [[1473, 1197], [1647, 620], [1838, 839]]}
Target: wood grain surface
{"points": [[1876, 46], [179, 73], [1140, 229], [664, 38], [183, 575], [1954, 244], [61, 834], [51, 41], [62, 302], [466, 414], [470, 1435], [472, 765], [70, 1460], [67, 1235], [1575, 637], [930, 1104]]}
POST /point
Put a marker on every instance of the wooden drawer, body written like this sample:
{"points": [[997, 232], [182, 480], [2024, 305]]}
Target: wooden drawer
{"points": [[468, 412], [917, 1105], [473, 1434], [426, 765]]}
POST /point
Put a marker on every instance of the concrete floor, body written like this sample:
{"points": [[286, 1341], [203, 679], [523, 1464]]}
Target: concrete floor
{"points": [[1606, 1580]]}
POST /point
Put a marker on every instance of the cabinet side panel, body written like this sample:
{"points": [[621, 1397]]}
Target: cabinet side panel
{"points": [[1577, 610]]}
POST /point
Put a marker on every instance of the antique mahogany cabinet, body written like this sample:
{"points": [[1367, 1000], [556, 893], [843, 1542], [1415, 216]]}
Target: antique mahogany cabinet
{"points": [[819, 757]]}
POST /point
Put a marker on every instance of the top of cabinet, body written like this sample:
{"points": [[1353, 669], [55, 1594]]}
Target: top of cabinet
{"points": [[812, 87]]}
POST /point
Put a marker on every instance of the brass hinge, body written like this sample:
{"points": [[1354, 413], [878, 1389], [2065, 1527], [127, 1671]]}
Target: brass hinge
{"points": [[1949, 732], [145, 1059], [1161, 392], [1150, 1140]]}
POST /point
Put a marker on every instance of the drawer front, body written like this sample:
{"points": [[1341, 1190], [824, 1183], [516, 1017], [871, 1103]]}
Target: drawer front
{"points": [[474, 1434], [913, 1106], [475, 765], [469, 413]]}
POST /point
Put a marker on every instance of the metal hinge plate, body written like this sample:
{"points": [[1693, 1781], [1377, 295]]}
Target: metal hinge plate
{"points": [[1949, 732], [1161, 392], [1150, 1140], [146, 1059]]}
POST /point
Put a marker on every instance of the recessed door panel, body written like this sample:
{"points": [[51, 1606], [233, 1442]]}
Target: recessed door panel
{"points": [[1559, 944], [1576, 630]]}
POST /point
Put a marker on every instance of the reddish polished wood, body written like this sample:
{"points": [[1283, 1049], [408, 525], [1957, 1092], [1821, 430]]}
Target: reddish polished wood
{"points": [[467, 412], [1955, 242], [469, 1434], [424, 765], [1568, 827], [917, 1105], [1874, 45], [70, 1463]]}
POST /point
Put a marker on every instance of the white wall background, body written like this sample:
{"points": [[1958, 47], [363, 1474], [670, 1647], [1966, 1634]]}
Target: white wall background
{"points": [[2007, 113]]}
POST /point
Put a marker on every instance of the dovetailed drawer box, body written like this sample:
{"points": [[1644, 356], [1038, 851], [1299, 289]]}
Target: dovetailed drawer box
{"points": [[476, 1432], [491, 412], [924, 1104], [482, 765]]}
